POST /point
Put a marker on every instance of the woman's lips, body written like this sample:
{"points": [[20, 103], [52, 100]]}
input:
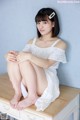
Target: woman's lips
{"points": [[41, 30]]}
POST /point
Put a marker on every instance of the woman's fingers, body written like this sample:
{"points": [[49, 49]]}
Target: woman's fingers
{"points": [[17, 56], [11, 56], [22, 57], [14, 52], [11, 59]]}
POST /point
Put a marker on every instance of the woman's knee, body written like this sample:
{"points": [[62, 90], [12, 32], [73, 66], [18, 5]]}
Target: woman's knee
{"points": [[26, 68], [24, 64], [12, 66]]}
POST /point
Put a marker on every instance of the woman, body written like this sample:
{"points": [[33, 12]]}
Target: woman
{"points": [[33, 71]]}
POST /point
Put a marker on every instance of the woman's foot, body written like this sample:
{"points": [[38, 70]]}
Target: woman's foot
{"points": [[28, 101], [15, 100]]}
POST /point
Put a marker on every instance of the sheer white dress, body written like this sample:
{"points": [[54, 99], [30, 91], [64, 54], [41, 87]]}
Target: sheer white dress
{"points": [[52, 91]]}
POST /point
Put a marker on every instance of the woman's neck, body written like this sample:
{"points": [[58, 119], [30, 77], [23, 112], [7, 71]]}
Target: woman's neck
{"points": [[47, 38]]}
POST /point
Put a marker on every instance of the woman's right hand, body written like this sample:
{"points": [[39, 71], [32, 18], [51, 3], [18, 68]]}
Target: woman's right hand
{"points": [[11, 56]]}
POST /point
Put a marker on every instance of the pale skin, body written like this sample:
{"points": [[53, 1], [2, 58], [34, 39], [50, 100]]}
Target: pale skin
{"points": [[27, 68]]}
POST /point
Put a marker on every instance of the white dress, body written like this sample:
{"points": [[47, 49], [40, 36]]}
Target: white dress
{"points": [[52, 91]]}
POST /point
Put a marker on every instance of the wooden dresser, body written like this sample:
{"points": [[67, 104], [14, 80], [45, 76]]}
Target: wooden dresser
{"points": [[61, 109]]}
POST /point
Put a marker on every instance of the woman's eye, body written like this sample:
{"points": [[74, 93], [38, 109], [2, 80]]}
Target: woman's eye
{"points": [[45, 22], [38, 22]]}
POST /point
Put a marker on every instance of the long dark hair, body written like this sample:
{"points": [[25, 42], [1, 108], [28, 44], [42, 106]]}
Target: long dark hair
{"points": [[43, 14]]}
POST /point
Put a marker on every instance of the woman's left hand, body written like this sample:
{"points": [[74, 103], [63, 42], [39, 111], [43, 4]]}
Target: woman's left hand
{"points": [[23, 56]]}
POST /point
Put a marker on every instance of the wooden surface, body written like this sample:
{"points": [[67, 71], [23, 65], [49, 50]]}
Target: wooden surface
{"points": [[67, 94]]}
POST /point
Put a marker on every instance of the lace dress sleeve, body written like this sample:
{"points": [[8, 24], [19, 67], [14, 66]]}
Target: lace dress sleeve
{"points": [[26, 48], [58, 54]]}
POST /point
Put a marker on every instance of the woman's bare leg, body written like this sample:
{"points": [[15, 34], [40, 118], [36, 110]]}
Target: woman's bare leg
{"points": [[41, 79], [30, 76], [15, 78]]}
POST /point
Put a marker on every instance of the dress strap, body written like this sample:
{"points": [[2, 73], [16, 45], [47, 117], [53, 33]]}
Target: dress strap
{"points": [[55, 42], [34, 40]]}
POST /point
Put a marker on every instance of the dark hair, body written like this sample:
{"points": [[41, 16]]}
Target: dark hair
{"points": [[43, 14]]}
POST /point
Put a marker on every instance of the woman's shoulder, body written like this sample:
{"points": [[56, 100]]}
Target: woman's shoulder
{"points": [[30, 41], [61, 44]]}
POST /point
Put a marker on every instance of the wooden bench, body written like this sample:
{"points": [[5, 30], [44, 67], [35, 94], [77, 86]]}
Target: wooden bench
{"points": [[61, 109]]}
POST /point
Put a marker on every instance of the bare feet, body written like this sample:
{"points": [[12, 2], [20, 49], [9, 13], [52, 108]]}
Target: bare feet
{"points": [[28, 101], [15, 100]]}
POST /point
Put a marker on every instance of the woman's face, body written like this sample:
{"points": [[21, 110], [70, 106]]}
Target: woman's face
{"points": [[45, 27]]}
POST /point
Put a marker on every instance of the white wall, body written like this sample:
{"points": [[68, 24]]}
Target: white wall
{"points": [[17, 26]]}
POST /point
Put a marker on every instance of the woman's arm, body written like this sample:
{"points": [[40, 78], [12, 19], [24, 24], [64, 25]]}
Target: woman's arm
{"points": [[45, 63]]}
